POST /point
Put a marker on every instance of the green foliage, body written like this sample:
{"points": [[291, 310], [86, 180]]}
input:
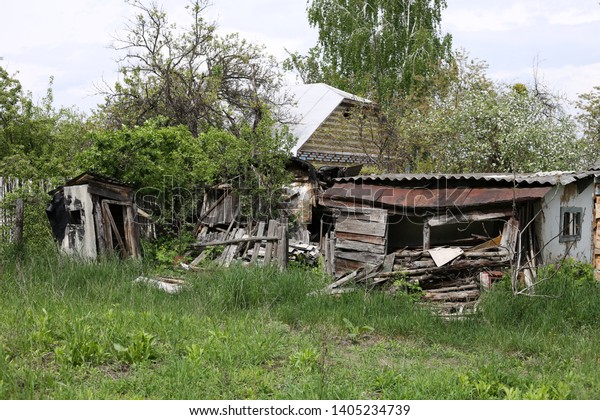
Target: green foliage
{"points": [[381, 49], [412, 290], [151, 155], [566, 297], [306, 360], [356, 333], [36, 140], [37, 235], [258, 333], [469, 124], [589, 118], [140, 349]]}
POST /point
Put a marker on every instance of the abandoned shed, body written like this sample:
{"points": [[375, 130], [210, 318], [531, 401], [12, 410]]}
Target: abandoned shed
{"points": [[92, 215], [474, 222], [332, 127]]}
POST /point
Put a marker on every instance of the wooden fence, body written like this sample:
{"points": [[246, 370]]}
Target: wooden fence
{"points": [[8, 221]]}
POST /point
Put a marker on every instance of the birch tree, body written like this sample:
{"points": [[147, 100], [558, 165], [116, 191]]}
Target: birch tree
{"points": [[381, 49]]}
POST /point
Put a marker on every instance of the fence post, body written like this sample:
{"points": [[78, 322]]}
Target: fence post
{"points": [[19, 218], [282, 247]]}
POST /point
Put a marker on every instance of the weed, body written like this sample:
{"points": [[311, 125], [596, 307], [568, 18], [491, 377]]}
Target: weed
{"points": [[141, 349], [355, 333], [412, 290], [305, 361]]}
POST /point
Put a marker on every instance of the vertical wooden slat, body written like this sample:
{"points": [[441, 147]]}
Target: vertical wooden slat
{"points": [[256, 249], [282, 246], [426, 236], [19, 219], [269, 247], [131, 233], [100, 230]]}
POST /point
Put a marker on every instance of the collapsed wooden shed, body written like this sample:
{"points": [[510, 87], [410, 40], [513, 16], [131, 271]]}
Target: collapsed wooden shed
{"points": [[92, 215], [483, 222]]}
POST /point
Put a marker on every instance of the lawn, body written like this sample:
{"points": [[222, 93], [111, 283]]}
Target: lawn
{"points": [[73, 330]]}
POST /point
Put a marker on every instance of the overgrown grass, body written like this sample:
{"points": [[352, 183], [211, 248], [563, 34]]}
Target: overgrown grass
{"points": [[86, 330]]}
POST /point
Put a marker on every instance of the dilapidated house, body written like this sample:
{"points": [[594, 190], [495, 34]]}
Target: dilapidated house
{"points": [[432, 226], [92, 215], [333, 127]]}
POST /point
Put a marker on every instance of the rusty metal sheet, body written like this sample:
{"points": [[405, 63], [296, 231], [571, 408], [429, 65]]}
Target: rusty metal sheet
{"points": [[401, 198]]}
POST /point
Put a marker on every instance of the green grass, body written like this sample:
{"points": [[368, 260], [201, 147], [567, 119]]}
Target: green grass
{"points": [[71, 330]]}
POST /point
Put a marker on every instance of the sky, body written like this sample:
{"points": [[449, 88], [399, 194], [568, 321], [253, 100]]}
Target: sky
{"points": [[70, 39]]}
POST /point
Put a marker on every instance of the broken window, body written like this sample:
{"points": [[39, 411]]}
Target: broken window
{"points": [[76, 217], [570, 224]]}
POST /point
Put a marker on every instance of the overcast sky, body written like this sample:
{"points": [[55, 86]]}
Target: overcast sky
{"points": [[69, 39]]}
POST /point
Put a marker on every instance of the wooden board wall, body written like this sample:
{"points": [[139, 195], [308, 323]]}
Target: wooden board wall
{"points": [[597, 233], [361, 239], [345, 137]]}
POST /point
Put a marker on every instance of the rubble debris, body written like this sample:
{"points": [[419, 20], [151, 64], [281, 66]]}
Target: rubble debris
{"points": [[166, 284]]}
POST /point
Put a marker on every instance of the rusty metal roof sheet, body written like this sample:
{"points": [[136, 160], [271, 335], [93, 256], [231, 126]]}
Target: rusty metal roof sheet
{"points": [[541, 178], [401, 198]]}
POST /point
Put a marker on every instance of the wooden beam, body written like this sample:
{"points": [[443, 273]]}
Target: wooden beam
{"points": [[426, 236], [235, 241]]}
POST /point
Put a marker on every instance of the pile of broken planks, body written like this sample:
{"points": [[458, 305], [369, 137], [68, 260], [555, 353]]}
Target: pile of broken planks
{"points": [[261, 244], [450, 278]]}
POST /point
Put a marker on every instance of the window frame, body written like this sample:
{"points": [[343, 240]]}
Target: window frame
{"points": [[575, 222]]}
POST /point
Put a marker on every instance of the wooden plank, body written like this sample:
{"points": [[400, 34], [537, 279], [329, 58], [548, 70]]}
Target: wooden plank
{"points": [[452, 296], [271, 230], [359, 246], [426, 236], [510, 235], [446, 219], [118, 194], [365, 257], [131, 233], [388, 263], [376, 240], [282, 246], [115, 230], [331, 252], [235, 241], [260, 232], [343, 266], [100, 231], [368, 215], [234, 248], [361, 227], [345, 279]]}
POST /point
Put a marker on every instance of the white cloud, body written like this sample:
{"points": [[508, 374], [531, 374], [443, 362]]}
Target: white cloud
{"points": [[469, 16]]}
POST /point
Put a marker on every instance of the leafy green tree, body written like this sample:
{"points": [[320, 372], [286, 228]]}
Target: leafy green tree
{"points": [[382, 49], [589, 104], [36, 140]]}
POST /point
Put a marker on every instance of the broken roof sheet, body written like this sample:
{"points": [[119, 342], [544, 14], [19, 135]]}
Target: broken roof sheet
{"points": [[541, 178], [313, 103]]}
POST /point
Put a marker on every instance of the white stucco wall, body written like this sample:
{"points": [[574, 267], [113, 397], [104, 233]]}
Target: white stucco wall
{"points": [[80, 239], [549, 223]]}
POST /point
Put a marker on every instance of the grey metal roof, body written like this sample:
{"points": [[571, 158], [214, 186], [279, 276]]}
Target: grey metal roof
{"points": [[541, 178], [313, 103]]}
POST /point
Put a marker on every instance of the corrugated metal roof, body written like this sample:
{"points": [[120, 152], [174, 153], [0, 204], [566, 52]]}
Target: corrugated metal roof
{"points": [[541, 178], [312, 105], [400, 198]]}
